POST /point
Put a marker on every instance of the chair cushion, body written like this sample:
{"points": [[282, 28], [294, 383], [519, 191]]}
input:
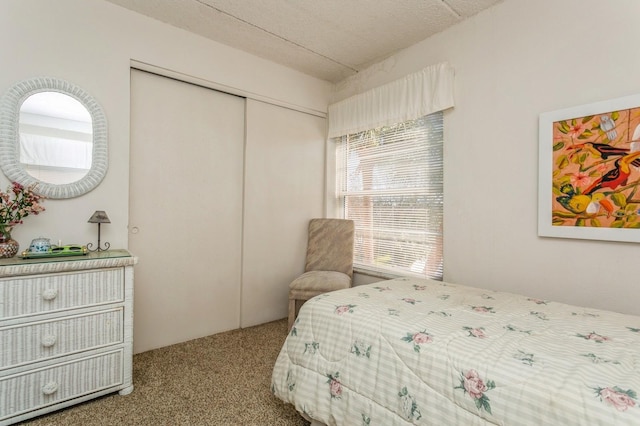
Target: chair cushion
{"points": [[313, 283]]}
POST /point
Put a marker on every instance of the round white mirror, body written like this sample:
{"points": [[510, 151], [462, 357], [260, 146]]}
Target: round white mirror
{"points": [[53, 134]]}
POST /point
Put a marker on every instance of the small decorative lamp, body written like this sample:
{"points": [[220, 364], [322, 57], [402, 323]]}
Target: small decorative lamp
{"points": [[99, 217]]}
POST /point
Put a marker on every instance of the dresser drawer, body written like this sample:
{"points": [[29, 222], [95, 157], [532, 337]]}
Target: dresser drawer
{"points": [[29, 295], [46, 386], [41, 340]]}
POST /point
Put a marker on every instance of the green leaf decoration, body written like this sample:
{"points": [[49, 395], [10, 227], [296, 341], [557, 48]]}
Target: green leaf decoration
{"points": [[558, 146], [595, 223], [586, 134], [563, 127], [580, 222], [617, 224], [615, 115], [574, 122], [619, 199], [583, 157], [586, 119], [562, 162], [634, 225]]}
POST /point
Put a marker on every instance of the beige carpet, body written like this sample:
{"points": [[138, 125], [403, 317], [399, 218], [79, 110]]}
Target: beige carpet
{"points": [[222, 379]]}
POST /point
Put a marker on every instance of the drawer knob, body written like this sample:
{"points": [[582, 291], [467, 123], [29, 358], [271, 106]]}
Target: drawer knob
{"points": [[49, 340], [50, 388], [50, 294]]}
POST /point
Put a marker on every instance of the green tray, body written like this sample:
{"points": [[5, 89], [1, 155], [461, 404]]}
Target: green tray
{"points": [[29, 255]]}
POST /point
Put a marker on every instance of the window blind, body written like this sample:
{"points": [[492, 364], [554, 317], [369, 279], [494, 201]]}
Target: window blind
{"points": [[390, 180]]}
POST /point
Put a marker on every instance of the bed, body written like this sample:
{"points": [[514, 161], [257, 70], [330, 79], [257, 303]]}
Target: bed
{"points": [[414, 351]]}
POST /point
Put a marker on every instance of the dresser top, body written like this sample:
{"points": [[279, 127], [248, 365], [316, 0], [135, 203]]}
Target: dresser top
{"points": [[92, 260]]}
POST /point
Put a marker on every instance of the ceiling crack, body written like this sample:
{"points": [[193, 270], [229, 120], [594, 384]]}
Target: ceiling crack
{"points": [[451, 9], [202, 2]]}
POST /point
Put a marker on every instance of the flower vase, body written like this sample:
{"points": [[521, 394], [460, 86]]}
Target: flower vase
{"points": [[8, 246]]}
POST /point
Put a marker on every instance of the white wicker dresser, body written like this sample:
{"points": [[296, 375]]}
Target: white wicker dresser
{"points": [[66, 331]]}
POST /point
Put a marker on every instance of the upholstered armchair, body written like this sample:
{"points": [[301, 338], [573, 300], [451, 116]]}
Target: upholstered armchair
{"points": [[329, 262]]}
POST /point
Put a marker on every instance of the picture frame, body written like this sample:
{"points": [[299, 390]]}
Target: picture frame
{"points": [[589, 171]]}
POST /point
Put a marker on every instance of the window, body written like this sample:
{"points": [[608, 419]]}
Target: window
{"points": [[390, 183]]}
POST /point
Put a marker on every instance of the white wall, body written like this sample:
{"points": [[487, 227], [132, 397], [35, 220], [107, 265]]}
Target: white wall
{"points": [[513, 62], [91, 43]]}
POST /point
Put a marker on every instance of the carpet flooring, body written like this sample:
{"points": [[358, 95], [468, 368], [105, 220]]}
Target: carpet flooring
{"points": [[223, 379]]}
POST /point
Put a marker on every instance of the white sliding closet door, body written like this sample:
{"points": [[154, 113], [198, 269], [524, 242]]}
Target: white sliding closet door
{"points": [[284, 188], [186, 201]]}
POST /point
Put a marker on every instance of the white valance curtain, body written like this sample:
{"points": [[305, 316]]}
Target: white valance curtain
{"points": [[408, 98]]}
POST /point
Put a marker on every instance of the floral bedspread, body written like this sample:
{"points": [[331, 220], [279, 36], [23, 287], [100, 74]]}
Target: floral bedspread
{"points": [[412, 351]]}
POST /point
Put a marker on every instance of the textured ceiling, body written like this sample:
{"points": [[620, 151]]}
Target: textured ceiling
{"points": [[328, 39]]}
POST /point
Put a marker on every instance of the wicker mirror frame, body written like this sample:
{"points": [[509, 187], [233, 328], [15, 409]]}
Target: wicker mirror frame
{"points": [[10, 104]]}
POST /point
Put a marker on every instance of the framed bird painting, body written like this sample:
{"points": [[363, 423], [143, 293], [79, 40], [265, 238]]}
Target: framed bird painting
{"points": [[589, 171]]}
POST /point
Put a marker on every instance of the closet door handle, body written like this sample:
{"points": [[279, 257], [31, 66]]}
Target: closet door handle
{"points": [[50, 294]]}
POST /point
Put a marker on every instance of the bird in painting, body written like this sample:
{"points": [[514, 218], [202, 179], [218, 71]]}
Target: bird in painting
{"points": [[604, 151], [618, 175], [601, 150], [608, 126]]}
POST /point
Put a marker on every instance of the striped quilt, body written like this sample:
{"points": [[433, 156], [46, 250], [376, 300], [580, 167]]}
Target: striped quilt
{"points": [[412, 351]]}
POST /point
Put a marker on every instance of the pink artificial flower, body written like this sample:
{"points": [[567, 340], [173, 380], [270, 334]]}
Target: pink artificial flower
{"points": [[17, 203], [17, 188]]}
